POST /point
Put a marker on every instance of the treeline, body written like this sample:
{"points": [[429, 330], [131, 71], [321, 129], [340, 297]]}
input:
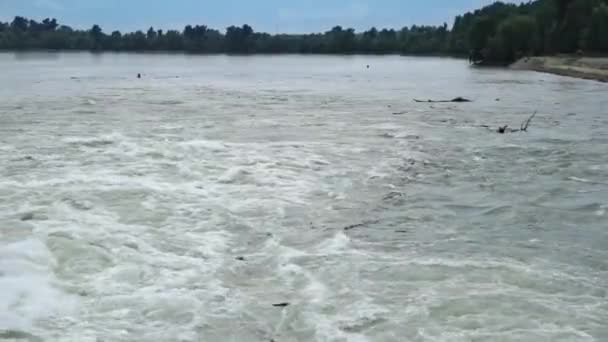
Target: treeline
{"points": [[501, 33], [23, 34], [498, 33]]}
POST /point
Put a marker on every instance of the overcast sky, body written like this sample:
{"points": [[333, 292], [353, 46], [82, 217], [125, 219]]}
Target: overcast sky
{"points": [[292, 16]]}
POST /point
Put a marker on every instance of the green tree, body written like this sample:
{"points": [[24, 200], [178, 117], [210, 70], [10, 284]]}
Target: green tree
{"points": [[151, 34], [239, 39], [598, 29], [387, 41], [516, 36], [50, 24], [196, 38], [482, 29], [97, 36], [574, 24], [20, 24], [115, 41], [173, 41], [368, 41], [562, 8]]}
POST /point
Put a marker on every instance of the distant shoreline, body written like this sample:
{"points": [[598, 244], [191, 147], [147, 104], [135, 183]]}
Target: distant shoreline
{"points": [[583, 67], [590, 68], [189, 53]]}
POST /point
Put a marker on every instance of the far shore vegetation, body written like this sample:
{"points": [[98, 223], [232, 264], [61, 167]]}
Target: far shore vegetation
{"points": [[496, 34]]}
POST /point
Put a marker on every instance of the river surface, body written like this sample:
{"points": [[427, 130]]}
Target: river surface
{"points": [[184, 205]]}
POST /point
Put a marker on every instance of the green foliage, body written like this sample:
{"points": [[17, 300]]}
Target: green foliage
{"points": [[20, 24], [482, 30], [598, 29], [239, 39], [517, 36], [498, 33], [575, 24], [501, 33], [29, 34]]}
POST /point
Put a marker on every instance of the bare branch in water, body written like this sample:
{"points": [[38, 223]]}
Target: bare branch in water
{"points": [[523, 128], [526, 124]]}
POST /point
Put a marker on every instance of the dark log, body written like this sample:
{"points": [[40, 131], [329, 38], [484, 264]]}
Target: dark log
{"points": [[27, 217], [457, 99], [359, 225]]}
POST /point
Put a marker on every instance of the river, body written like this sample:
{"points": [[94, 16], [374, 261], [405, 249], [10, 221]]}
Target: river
{"points": [[185, 205]]}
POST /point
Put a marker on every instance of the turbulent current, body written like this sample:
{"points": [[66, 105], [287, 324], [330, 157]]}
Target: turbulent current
{"points": [[299, 198]]}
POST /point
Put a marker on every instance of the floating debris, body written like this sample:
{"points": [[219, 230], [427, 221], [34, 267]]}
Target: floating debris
{"points": [[359, 225], [456, 99], [27, 217]]}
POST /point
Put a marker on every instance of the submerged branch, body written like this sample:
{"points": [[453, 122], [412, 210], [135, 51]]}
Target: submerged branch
{"points": [[526, 124], [523, 128]]}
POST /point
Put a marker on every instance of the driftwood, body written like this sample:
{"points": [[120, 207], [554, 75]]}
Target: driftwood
{"points": [[526, 124], [506, 129], [27, 217], [351, 227], [457, 99], [359, 225]]}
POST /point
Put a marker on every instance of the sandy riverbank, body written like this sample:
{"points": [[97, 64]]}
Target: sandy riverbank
{"points": [[593, 68]]}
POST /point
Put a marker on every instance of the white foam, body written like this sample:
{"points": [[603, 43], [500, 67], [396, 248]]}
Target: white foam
{"points": [[213, 145], [6, 147], [584, 180], [27, 286], [110, 137], [338, 244], [236, 175], [577, 179]]}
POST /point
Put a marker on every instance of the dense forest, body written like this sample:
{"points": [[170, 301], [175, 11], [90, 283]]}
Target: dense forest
{"points": [[498, 33]]}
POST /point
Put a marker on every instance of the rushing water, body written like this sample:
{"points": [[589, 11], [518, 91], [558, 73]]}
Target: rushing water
{"points": [[182, 206]]}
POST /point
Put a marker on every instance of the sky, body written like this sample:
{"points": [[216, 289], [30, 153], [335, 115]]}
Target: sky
{"points": [[284, 16]]}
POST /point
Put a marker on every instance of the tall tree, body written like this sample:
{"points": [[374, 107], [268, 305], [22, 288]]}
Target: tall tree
{"points": [[151, 34], [20, 24], [598, 29]]}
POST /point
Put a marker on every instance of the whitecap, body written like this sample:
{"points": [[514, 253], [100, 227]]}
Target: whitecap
{"points": [[28, 286], [337, 244], [235, 175]]}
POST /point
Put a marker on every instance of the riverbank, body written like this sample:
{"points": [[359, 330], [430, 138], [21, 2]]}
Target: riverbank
{"points": [[592, 68]]}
